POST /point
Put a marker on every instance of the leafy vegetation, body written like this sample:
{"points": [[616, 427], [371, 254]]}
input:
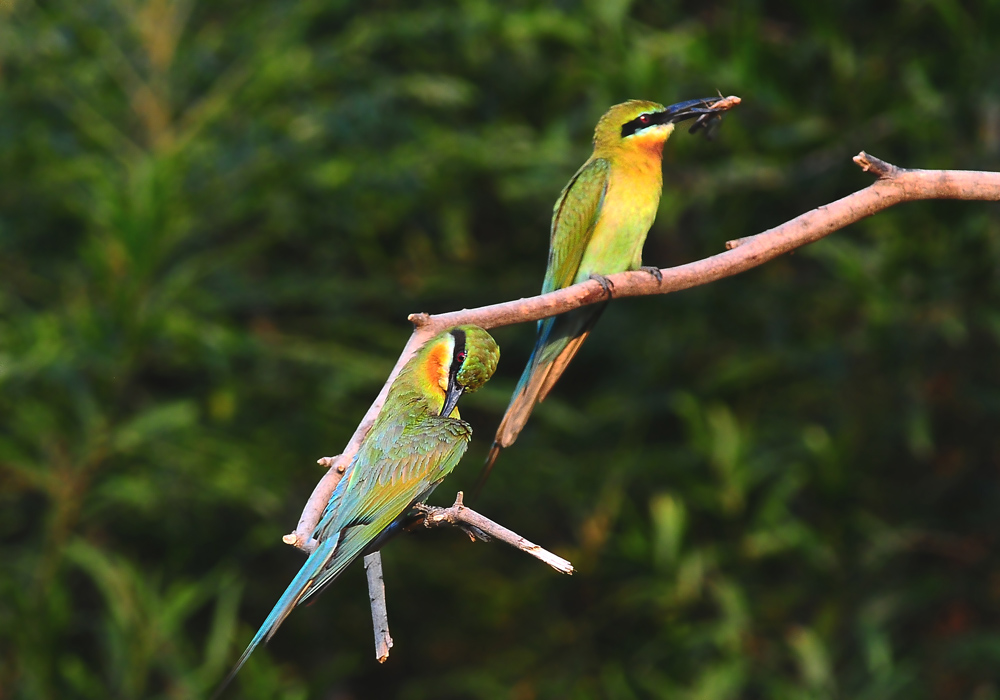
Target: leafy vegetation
{"points": [[215, 217]]}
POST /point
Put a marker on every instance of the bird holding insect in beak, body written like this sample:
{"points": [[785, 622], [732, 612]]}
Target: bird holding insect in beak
{"points": [[415, 442], [599, 225]]}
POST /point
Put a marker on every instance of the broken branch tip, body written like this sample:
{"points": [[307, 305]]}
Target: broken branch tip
{"points": [[870, 164], [419, 319]]}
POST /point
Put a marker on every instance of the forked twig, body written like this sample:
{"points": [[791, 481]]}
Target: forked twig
{"points": [[477, 525]]}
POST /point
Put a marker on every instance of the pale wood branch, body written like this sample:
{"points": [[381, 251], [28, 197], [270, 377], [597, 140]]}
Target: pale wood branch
{"points": [[380, 615], [478, 526], [893, 186]]}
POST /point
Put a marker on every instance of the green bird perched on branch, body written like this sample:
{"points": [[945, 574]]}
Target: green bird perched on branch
{"points": [[415, 442], [599, 225]]}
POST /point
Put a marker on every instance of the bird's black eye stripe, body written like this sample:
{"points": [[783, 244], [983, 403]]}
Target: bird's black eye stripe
{"points": [[641, 122], [458, 357]]}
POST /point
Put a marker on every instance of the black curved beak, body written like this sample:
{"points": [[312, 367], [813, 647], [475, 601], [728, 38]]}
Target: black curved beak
{"points": [[451, 397]]}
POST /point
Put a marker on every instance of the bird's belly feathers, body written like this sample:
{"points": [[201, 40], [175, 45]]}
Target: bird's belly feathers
{"points": [[627, 213]]}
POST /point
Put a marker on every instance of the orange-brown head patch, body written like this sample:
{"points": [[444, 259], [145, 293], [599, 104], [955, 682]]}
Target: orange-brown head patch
{"points": [[435, 367]]}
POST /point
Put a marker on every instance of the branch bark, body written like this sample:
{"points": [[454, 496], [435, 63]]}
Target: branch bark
{"points": [[380, 615], [478, 526], [893, 186]]}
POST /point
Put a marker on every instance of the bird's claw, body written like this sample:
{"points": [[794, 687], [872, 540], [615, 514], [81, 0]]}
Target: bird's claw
{"points": [[606, 284], [474, 533], [654, 271]]}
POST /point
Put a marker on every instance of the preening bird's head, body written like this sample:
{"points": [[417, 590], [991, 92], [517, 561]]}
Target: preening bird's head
{"points": [[647, 125], [458, 361]]}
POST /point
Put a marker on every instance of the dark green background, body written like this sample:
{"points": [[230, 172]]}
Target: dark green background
{"points": [[215, 217]]}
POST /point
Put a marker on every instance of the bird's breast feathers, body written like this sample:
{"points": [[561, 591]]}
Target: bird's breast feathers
{"points": [[628, 211]]}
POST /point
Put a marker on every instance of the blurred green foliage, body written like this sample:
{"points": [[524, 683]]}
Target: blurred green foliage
{"points": [[215, 217]]}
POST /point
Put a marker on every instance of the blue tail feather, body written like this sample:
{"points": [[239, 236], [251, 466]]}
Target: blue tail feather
{"points": [[553, 335], [294, 593]]}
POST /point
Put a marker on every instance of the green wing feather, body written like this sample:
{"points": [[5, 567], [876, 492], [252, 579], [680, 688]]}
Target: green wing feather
{"points": [[404, 466], [392, 471], [573, 219]]}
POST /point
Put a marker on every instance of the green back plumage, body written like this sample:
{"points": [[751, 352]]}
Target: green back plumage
{"points": [[411, 448], [573, 219]]}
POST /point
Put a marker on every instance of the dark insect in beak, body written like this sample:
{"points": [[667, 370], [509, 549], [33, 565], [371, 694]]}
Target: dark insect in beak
{"points": [[705, 109], [704, 123]]}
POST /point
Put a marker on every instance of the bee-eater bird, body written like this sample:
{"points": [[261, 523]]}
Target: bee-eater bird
{"points": [[415, 442], [599, 224]]}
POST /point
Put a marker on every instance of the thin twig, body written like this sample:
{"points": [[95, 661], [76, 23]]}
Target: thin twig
{"points": [[477, 525], [380, 616]]}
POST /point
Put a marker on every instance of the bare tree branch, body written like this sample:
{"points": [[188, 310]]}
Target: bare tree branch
{"points": [[480, 527], [380, 615], [893, 186]]}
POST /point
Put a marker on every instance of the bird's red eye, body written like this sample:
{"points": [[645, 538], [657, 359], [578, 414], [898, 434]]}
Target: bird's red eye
{"points": [[461, 356], [644, 119]]}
